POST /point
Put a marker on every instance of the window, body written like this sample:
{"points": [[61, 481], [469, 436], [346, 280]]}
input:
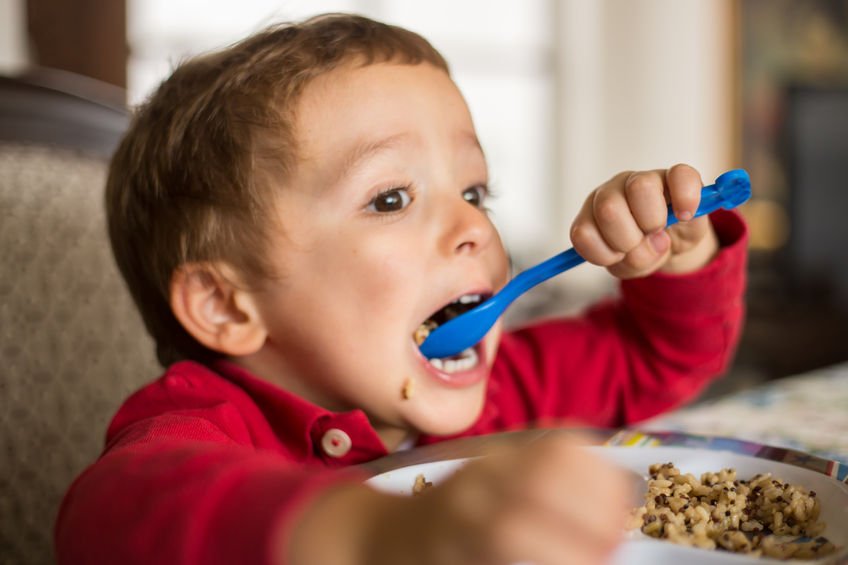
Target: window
{"points": [[500, 52]]}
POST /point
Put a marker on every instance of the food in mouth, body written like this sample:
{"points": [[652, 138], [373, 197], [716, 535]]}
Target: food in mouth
{"points": [[423, 331], [459, 306]]}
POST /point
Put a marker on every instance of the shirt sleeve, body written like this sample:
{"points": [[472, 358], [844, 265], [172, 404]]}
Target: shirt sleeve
{"points": [[650, 350], [176, 488]]}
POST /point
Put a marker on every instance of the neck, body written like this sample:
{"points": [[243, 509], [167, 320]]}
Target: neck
{"points": [[393, 438]]}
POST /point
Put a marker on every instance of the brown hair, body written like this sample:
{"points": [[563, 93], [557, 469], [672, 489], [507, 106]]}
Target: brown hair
{"points": [[192, 179]]}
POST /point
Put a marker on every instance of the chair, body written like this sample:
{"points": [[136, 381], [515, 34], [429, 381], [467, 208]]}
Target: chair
{"points": [[72, 345]]}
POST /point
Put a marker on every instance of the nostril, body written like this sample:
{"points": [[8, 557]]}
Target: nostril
{"points": [[468, 229]]}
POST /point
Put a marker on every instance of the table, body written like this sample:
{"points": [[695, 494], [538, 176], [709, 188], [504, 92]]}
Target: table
{"points": [[802, 419], [807, 412]]}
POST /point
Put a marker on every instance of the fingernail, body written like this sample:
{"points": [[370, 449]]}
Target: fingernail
{"points": [[685, 216], [659, 241]]}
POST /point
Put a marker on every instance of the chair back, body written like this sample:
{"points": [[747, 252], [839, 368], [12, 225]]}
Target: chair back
{"points": [[72, 345]]}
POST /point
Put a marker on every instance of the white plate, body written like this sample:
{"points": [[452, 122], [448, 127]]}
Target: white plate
{"points": [[640, 549]]}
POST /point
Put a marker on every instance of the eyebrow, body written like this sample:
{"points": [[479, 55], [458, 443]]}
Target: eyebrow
{"points": [[366, 149]]}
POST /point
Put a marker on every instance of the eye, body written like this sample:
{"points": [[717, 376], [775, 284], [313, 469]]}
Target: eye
{"points": [[392, 200], [476, 195]]}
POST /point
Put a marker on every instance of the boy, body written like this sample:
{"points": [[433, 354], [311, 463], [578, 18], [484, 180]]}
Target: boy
{"points": [[287, 214]]}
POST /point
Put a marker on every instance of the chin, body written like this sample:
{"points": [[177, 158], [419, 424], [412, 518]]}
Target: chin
{"points": [[451, 418]]}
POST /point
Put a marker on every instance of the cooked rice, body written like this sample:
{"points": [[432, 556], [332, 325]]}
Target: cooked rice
{"points": [[763, 516], [423, 331], [421, 484]]}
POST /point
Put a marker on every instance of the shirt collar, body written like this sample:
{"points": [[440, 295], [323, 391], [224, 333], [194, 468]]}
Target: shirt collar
{"points": [[311, 433]]}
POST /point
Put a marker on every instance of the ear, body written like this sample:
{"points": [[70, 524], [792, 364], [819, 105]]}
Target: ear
{"points": [[216, 311]]}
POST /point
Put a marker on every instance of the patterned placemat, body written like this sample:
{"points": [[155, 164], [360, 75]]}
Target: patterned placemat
{"points": [[807, 413]]}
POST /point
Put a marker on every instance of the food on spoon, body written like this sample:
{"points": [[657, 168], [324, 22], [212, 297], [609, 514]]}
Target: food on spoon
{"points": [[762, 516], [450, 311], [423, 331]]}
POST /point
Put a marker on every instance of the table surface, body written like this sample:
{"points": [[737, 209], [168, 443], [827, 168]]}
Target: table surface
{"points": [[805, 414]]}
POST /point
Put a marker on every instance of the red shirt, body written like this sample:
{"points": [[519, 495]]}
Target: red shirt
{"points": [[201, 465]]}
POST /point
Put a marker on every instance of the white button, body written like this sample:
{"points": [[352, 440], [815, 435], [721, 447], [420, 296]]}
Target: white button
{"points": [[336, 443]]}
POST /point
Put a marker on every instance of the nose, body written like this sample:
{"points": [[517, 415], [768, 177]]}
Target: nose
{"points": [[468, 229]]}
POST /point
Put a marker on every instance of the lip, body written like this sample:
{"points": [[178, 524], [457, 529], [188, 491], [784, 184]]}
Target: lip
{"points": [[460, 379]]}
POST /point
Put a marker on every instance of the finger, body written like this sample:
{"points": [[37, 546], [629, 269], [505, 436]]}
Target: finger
{"points": [[587, 239], [614, 218], [582, 492], [646, 258], [684, 188], [534, 537], [687, 234], [645, 194]]}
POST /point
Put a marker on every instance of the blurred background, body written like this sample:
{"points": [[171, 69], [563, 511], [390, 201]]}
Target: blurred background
{"points": [[565, 94]]}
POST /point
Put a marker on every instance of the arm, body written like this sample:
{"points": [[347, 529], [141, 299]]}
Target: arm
{"points": [[190, 502], [549, 502], [176, 489], [675, 327]]}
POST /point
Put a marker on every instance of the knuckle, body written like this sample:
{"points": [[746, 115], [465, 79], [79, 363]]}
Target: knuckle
{"points": [[652, 224], [581, 234], [639, 258], [610, 259], [681, 168], [639, 184], [606, 209], [632, 242], [685, 177]]}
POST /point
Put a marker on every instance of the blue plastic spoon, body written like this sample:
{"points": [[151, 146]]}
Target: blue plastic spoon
{"points": [[730, 190]]}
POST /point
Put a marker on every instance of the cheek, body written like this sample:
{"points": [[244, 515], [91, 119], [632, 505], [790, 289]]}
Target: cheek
{"points": [[385, 286], [492, 342], [384, 269], [500, 263]]}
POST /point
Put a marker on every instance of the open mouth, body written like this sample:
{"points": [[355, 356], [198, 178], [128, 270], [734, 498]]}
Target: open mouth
{"points": [[464, 360]]}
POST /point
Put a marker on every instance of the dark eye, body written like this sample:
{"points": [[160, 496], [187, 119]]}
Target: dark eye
{"points": [[392, 200], [475, 195]]}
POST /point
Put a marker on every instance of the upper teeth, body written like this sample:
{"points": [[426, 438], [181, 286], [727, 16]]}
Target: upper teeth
{"points": [[468, 299]]}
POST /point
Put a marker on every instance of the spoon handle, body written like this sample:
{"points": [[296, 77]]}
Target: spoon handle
{"points": [[730, 190], [548, 268]]}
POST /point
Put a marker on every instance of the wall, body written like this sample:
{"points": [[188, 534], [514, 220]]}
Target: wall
{"points": [[13, 48], [641, 84]]}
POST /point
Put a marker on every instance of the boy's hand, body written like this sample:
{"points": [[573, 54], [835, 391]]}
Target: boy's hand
{"points": [[551, 502], [548, 503], [621, 226]]}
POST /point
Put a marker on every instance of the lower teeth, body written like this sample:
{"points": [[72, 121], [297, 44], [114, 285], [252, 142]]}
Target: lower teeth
{"points": [[462, 362]]}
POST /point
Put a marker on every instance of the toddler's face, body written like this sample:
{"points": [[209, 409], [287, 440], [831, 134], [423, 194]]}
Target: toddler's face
{"points": [[383, 224]]}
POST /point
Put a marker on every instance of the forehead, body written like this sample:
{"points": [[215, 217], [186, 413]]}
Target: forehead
{"points": [[358, 105]]}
